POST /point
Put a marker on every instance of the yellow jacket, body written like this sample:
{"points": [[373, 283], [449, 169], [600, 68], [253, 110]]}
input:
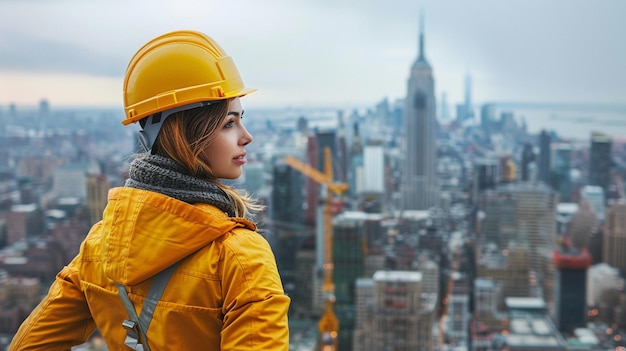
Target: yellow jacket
{"points": [[226, 293]]}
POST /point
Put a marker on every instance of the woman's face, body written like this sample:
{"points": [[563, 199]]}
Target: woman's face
{"points": [[226, 153]]}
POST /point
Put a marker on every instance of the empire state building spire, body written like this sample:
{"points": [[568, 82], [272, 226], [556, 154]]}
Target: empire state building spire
{"points": [[421, 61], [420, 188], [420, 56]]}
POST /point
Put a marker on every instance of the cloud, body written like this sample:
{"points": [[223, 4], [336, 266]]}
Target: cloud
{"points": [[26, 53], [324, 51]]}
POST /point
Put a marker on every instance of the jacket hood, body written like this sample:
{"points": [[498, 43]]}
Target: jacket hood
{"points": [[145, 232]]}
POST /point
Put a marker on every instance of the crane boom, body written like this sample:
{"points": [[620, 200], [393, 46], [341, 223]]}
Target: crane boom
{"points": [[328, 325], [325, 178]]}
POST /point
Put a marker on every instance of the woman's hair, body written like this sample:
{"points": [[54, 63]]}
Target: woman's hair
{"points": [[185, 137]]}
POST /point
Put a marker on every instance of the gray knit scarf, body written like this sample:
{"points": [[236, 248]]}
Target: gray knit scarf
{"points": [[163, 175]]}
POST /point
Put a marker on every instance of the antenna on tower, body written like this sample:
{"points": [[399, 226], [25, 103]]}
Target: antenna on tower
{"points": [[421, 36]]}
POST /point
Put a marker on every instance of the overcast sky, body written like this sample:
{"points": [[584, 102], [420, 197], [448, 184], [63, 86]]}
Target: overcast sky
{"points": [[325, 52]]}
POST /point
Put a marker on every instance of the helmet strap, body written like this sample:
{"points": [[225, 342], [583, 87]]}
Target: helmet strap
{"points": [[152, 124]]}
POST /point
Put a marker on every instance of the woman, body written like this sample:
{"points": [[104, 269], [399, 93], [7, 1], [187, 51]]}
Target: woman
{"points": [[173, 232]]}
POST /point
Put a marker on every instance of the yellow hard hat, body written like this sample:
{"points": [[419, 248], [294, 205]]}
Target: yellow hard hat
{"points": [[177, 69]]}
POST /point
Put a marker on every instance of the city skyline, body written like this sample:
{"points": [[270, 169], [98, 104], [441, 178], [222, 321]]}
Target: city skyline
{"points": [[323, 53]]}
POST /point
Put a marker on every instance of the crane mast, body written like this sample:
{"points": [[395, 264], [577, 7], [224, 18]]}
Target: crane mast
{"points": [[328, 325]]}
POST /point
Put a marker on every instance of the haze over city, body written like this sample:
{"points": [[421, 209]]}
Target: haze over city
{"points": [[477, 149], [312, 53]]}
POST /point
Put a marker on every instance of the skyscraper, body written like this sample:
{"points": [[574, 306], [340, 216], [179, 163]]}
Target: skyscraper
{"points": [[356, 162], [348, 256], [545, 153], [570, 287], [420, 186], [528, 160], [374, 167], [581, 225], [520, 217], [561, 179], [614, 245], [394, 313], [287, 214], [595, 196], [600, 161]]}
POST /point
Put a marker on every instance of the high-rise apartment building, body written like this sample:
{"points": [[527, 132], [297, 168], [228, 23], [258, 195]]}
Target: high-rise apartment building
{"points": [[614, 243], [487, 294], [561, 166], [458, 310], [420, 190], [374, 167], [356, 172], [303, 302], [602, 278], [97, 196], [522, 216], [286, 225], [287, 195], [393, 313], [485, 175], [581, 225], [364, 300], [254, 178], [9, 188], [70, 179], [38, 168], [595, 196], [517, 282], [528, 161], [600, 160], [341, 155], [348, 266], [545, 153], [23, 222], [570, 287], [18, 295]]}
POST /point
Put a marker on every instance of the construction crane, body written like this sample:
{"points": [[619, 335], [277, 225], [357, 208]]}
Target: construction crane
{"points": [[328, 325]]}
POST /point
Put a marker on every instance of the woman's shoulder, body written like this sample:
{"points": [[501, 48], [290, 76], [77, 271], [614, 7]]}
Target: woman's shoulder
{"points": [[245, 240]]}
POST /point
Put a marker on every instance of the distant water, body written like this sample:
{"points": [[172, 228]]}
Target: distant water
{"points": [[570, 121]]}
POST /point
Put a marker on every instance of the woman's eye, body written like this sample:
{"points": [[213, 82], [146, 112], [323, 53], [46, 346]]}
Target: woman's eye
{"points": [[229, 124]]}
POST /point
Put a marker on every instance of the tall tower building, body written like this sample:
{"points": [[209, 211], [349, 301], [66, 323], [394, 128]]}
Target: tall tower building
{"points": [[582, 225], [287, 214], [562, 181], [374, 167], [342, 150], [600, 161], [521, 216], [24, 222], [356, 161], [364, 299], [570, 287], [596, 197], [394, 313], [469, 113], [465, 111], [528, 160], [420, 190], [287, 199], [348, 265], [600, 279], [43, 116], [545, 153], [97, 191], [614, 244]]}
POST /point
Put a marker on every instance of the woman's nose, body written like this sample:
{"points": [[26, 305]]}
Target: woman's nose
{"points": [[246, 137]]}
